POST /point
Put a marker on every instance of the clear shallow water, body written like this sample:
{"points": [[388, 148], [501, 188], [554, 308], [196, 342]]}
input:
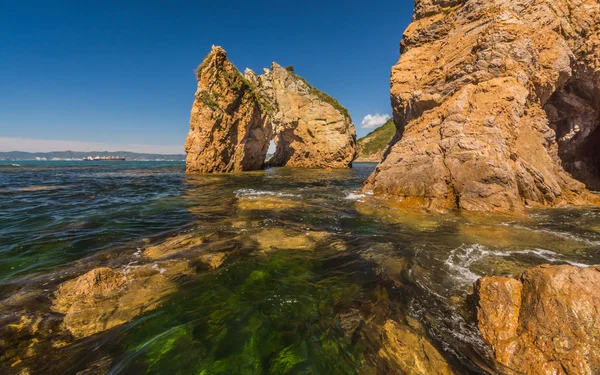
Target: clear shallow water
{"points": [[311, 269]]}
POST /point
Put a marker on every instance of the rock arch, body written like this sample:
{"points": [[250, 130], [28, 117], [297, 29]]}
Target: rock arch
{"points": [[234, 118]]}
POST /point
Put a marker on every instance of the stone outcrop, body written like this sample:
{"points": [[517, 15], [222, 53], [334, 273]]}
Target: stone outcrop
{"points": [[235, 117], [311, 129], [547, 321], [228, 129], [491, 99]]}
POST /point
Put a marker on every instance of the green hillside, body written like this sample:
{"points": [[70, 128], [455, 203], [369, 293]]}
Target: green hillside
{"points": [[376, 142]]}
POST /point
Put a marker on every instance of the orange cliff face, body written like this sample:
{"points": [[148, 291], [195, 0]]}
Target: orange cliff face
{"points": [[228, 130], [235, 117], [496, 105]]}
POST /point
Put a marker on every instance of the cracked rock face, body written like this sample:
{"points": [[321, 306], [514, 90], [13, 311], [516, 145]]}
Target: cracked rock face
{"points": [[228, 130], [311, 129], [544, 322], [492, 101], [235, 117]]}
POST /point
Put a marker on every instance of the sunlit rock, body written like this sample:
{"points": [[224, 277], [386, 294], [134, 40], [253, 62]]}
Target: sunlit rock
{"points": [[544, 322], [410, 350], [104, 298], [492, 100], [228, 131]]}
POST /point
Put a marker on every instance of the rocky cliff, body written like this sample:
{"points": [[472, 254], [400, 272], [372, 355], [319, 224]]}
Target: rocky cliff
{"points": [[372, 147], [546, 321], [492, 101], [311, 129], [235, 117], [228, 129]]}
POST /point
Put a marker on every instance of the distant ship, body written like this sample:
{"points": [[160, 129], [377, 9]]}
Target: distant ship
{"points": [[104, 158]]}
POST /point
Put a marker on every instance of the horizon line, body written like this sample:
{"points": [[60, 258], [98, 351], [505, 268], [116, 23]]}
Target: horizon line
{"points": [[10, 144]]}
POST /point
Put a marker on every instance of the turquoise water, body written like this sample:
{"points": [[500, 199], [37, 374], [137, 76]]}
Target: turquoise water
{"points": [[308, 270]]}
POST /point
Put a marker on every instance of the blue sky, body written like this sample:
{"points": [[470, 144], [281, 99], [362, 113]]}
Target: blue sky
{"points": [[120, 73]]}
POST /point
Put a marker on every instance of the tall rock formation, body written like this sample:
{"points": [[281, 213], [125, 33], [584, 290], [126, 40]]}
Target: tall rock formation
{"points": [[228, 129], [547, 321], [311, 129], [235, 117], [491, 99]]}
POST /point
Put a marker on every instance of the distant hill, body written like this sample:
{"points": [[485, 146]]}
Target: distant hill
{"points": [[372, 146], [70, 155]]}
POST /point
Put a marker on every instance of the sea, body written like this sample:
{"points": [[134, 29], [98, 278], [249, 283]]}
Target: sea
{"points": [[282, 271]]}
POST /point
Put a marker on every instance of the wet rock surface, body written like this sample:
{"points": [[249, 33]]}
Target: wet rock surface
{"points": [[472, 96], [104, 298], [545, 321]]}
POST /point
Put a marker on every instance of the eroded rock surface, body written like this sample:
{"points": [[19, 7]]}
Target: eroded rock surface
{"points": [[311, 129], [547, 321], [488, 97], [233, 118], [228, 129], [104, 298]]}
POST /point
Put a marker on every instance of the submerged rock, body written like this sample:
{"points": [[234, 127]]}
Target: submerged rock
{"points": [[411, 351], [491, 99], [104, 298], [546, 321], [311, 129], [279, 239], [228, 130]]}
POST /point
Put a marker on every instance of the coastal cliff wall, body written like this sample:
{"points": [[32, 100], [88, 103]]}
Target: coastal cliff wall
{"points": [[495, 102], [234, 117]]}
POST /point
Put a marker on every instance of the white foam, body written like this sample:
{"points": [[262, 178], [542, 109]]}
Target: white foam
{"points": [[463, 257], [355, 197], [245, 193]]}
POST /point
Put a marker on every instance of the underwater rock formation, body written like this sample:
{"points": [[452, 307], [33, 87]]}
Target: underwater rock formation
{"points": [[492, 101], [546, 321], [234, 118], [228, 130], [104, 298], [311, 129]]}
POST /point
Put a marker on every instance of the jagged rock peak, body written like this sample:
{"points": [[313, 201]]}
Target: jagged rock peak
{"points": [[228, 128], [492, 101]]}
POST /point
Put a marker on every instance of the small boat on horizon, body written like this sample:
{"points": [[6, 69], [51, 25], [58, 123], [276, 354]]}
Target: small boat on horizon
{"points": [[103, 158]]}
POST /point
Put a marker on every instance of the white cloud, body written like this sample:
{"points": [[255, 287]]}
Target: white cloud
{"points": [[374, 121], [43, 145]]}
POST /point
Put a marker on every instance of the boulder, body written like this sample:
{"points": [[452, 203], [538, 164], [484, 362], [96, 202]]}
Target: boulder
{"points": [[546, 321], [492, 100]]}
